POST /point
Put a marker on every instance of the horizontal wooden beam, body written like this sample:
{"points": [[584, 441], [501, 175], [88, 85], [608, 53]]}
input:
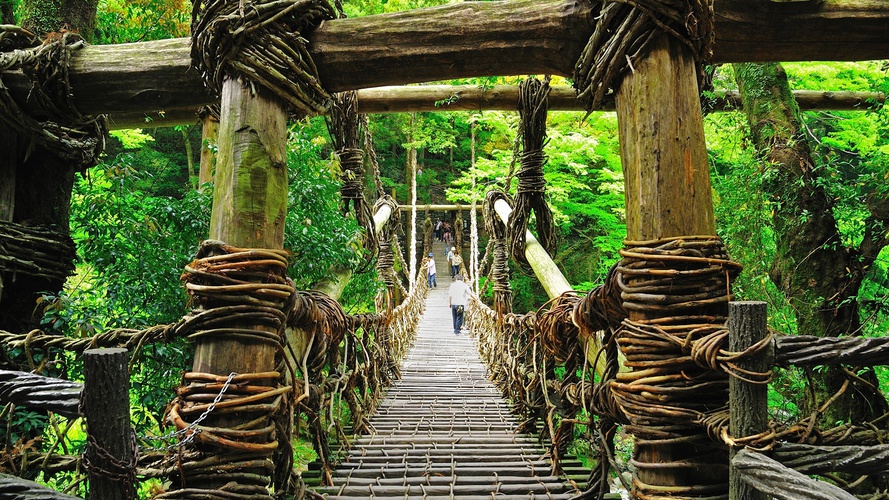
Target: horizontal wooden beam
{"points": [[437, 208], [470, 39], [443, 98]]}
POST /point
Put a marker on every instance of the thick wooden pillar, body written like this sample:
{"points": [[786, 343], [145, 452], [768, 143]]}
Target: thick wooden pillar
{"points": [[667, 187], [249, 205]]}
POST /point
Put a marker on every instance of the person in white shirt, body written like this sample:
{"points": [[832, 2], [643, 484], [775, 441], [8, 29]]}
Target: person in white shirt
{"points": [[430, 270], [451, 258], [456, 262], [458, 294]]}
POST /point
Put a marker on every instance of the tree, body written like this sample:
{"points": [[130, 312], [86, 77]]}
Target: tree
{"points": [[819, 271]]}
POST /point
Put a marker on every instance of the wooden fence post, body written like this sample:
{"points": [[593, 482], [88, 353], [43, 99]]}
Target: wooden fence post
{"points": [[748, 403], [106, 408]]}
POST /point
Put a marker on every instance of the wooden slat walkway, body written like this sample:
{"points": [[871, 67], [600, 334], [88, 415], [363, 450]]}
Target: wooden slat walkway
{"points": [[443, 431]]}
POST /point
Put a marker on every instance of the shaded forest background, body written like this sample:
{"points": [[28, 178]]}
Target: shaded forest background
{"points": [[809, 227]]}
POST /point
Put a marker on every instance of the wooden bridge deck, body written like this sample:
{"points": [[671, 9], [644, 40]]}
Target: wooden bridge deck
{"points": [[443, 431]]}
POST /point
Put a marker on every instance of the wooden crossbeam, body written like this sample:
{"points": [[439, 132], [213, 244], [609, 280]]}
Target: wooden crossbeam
{"points": [[443, 98], [470, 39]]}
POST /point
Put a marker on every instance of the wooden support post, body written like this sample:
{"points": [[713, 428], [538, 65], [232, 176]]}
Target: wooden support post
{"points": [[667, 181], [748, 403], [209, 145], [249, 206], [106, 408]]}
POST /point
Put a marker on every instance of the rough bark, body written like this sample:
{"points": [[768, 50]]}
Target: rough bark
{"points": [[443, 98], [472, 39], [667, 186], [110, 448], [209, 134], [47, 16], [43, 183], [249, 206], [748, 403], [819, 276]]}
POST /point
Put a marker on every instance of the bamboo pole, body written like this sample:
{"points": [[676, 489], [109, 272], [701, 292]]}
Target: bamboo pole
{"points": [[553, 281], [546, 270]]}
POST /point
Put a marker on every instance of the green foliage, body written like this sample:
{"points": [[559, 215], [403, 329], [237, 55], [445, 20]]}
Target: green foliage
{"points": [[125, 21], [316, 232], [584, 187], [357, 8]]}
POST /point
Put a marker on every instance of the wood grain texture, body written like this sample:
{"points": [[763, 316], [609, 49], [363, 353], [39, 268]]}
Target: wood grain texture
{"points": [[667, 189], [445, 98], [508, 37], [662, 148], [748, 403], [106, 408]]}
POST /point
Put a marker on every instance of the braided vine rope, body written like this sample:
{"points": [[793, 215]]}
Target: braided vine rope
{"points": [[531, 187], [386, 255], [500, 263], [624, 28], [35, 251], [261, 41], [351, 359], [344, 126], [62, 129], [251, 289]]}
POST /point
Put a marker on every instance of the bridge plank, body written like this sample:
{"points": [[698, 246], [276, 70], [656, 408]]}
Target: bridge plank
{"points": [[443, 429]]}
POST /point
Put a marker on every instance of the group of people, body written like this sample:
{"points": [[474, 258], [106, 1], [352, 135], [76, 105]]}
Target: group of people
{"points": [[442, 231], [458, 292], [455, 262]]}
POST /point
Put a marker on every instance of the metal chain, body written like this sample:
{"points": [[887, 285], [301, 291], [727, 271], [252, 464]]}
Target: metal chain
{"points": [[192, 426]]}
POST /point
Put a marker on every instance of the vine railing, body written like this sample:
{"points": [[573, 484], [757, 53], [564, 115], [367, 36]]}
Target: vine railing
{"points": [[344, 363], [545, 363]]}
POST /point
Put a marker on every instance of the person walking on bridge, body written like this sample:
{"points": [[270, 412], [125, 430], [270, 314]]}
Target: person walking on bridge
{"points": [[456, 262], [458, 294], [430, 270]]}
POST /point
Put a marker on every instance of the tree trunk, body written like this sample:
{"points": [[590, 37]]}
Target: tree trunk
{"points": [[47, 16], [43, 183], [209, 134], [819, 276], [189, 157]]}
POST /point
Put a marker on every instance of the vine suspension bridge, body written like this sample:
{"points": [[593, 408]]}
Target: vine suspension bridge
{"points": [[443, 430]]}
